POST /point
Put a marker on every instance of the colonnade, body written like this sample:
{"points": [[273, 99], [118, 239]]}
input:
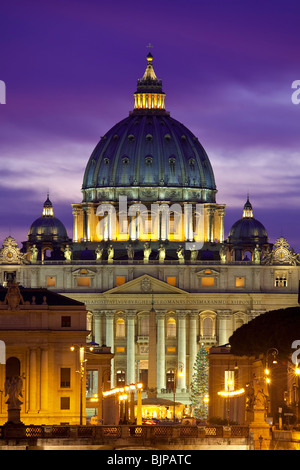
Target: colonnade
{"points": [[198, 222], [187, 342]]}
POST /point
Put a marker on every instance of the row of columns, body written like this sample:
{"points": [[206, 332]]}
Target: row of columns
{"points": [[224, 332], [85, 223], [37, 384]]}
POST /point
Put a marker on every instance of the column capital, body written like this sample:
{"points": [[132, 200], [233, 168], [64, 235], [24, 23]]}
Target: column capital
{"points": [[221, 211], [76, 210], [183, 313], [224, 313], [97, 312], [194, 314], [130, 313], [160, 314], [109, 313]]}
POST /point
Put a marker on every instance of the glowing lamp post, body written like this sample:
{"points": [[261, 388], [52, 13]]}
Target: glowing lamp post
{"points": [[139, 418], [178, 372], [82, 362], [132, 390]]}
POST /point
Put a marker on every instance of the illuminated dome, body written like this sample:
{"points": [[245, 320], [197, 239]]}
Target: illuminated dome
{"points": [[149, 149], [47, 227], [248, 229]]}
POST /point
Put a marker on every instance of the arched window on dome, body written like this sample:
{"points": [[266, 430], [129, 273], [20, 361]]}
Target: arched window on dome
{"points": [[148, 160], [192, 164], [148, 171], [172, 161]]}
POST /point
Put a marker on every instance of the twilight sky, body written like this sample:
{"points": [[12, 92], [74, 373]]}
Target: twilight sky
{"points": [[71, 67]]}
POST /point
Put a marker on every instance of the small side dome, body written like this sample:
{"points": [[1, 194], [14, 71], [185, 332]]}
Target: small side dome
{"points": [[47, 227], [248, 229]]}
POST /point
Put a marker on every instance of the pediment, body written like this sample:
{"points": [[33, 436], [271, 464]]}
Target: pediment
{"points": [[83, 272], [207, 272], [146, 284]]}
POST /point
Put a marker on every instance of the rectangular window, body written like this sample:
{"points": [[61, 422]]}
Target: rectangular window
{"points": [[64, 403], [171, 349], [171, 280], [9, 276], [51, 281], [281, 279], [83, 281], [207, 281], [92, 382], [65, 377], [120, 349], [239, 282], [120, 280], [66, 321]]}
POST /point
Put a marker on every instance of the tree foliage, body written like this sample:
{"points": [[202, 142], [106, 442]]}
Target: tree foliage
{"points": [[274, 329], [199, 385]]}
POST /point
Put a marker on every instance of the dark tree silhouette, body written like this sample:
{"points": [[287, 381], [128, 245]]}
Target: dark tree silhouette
{"points": [[274, 329]]}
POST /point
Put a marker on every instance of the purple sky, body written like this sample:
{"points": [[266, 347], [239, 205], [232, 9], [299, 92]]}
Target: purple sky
{"points": [[71, 67]]}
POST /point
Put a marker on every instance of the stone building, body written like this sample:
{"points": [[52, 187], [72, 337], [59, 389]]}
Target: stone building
{"points": [[38, 328], [149, 257]]}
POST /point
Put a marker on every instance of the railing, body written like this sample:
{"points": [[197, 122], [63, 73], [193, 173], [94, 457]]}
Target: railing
{"points": [[108, 432], [140, 262]]}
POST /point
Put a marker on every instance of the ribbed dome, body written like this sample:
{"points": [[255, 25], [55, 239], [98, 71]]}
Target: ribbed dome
{"points": [[47, 227], [149, 149], [248, 229]]}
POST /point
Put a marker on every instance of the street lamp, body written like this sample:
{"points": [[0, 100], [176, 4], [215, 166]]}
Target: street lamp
{"points": [[139, 417], [274, 353], [81, 349], [178, 372], [271, 359], [297, 374], [123, 406]]}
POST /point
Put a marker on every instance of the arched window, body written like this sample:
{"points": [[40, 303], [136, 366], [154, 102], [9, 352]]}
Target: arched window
{"points": [[171, 328], [144, 326], [247, 256], [120, 328], [207, 326], [47, 253]]}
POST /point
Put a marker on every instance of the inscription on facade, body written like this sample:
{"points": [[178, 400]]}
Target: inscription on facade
{"points": [[172, 301]]}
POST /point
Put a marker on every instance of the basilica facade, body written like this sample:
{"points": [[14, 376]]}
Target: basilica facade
{"points": [[149, 257]]}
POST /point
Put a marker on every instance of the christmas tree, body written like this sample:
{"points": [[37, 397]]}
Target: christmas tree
{"points": [[199, 385]]}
